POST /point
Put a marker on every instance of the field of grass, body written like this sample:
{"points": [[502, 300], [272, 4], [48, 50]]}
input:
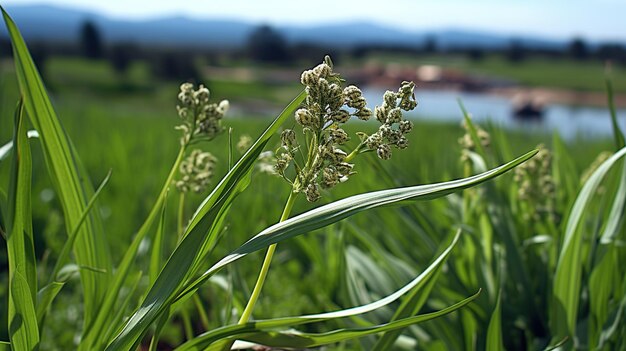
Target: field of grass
{"points": [[525, 251]]}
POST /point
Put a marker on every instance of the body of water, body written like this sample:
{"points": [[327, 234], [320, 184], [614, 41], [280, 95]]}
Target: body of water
{"points": [[570, 121]]}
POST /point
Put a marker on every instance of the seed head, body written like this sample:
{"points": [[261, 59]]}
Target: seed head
{"points": [[383, 151], [339, 136], [196, 171], [312, 192], [406, 127], [288, 138], [306, 119], [200, 118]]}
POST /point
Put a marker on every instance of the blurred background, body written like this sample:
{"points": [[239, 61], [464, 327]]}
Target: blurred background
{"points": [[525, 65]]}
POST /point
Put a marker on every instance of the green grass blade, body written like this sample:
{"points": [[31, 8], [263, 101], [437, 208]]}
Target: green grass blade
{"points": [[66, 172], [568, 275], [415, 299], [5, 346], [617, 133], [23, 329], [22, 318], [336, 211], [616, 215], [5, 150], [262, 332], [157, 246], [69, 244], [494, 330], [92, 334], [118, 316], [45, 296], [200, 233]]}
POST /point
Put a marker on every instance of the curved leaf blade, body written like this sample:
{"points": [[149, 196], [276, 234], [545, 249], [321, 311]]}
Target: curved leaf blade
{"points": [[22, 318], [257, 332], [327, 214], [426, 276], [66, 173], [567, 278]]}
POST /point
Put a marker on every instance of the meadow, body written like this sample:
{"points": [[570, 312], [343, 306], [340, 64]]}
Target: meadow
{"points": [[531, 259]]}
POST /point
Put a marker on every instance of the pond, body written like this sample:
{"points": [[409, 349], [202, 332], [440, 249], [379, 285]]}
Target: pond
{"points": [[571, 121]]}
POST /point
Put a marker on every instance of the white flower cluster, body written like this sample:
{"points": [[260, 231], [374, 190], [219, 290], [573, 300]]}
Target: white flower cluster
{"points": [[326, 108], [196, 171], [393, 128], [201, 119]]}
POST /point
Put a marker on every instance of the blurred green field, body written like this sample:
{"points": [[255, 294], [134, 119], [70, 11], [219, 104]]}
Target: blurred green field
{"points": [[126, 124]]}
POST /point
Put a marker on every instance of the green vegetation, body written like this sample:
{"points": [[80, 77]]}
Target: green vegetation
{"points": [[543, 243]]}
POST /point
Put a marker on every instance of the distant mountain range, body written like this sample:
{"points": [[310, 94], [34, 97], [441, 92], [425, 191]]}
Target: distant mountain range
{"points": [[42, 22]]}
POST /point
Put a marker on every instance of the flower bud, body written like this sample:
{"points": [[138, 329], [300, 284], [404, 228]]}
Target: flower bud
{"points": [[339, 136], [363, 114], [394, 116], [383, 151], [406, 127], [288, 138], [341, 116], [312, 192]]}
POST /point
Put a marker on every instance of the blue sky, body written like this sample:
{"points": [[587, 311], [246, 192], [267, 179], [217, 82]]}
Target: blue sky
{"points": [[599, 19]]}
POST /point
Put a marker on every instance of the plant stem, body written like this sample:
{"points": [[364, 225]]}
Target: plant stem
{"points": [[354, 152], [181, 214], [247, 312]]}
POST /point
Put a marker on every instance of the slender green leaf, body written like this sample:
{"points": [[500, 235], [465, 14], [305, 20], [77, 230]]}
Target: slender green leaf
{"points": [[118, 316], [157, 246], [568, 275], [262, 332], [66, 172], [616, 215], [602, 280], [92, 334], [5, 150], [415, 299], [5, 346], [45, 296], [338, 210], [200, 233], [494, 330], [69, 243], [617, 133], [557, 345], [23, 327]]}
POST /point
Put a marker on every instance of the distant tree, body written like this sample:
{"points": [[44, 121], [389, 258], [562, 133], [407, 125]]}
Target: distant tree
{"points": [[91, 41], [121, 56], [5, 47], [40, 53], [268, 45], [516, 51], [175, 66], [476, 54], [430, 45], [612, 51], [578, 49]]}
